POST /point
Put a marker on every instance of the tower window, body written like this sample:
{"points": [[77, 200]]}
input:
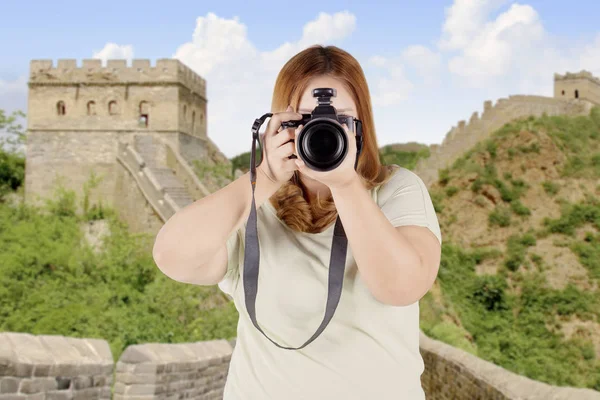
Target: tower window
{"points": [[91, 108], [193, 121], [113, 107], [184, 112], [563, 92], [144, 118], [60, 108], [576, 93]]}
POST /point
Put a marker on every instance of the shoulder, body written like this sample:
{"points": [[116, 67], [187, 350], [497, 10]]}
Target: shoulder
{"points": [[405, 200], [401, 179]]}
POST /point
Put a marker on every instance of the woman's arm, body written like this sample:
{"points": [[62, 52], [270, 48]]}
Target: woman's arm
{"points": [[193, 235], [387, 259]]}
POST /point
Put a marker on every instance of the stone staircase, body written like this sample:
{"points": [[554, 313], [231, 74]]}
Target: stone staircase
{"points": [[149, 151]]}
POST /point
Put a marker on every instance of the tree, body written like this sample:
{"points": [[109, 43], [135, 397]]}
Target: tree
{"points": [[12, 162], [10, 125]]}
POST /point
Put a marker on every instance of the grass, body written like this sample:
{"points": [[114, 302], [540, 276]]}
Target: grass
{"points": [[52, 282]]}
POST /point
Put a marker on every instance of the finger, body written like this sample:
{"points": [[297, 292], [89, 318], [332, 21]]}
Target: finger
{"points": [[303, 168], [296, 132], [274, 124], [285, 150], [290, 165], [283, 137]]}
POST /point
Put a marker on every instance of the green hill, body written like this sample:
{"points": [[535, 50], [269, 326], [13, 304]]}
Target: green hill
{"points": [[518, 281]]}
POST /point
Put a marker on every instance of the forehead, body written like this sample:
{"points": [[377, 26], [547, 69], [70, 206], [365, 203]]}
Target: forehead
{"points": [[342, 100]]}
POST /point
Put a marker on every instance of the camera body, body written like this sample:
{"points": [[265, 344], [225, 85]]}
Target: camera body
{"points": [[322, 143]]}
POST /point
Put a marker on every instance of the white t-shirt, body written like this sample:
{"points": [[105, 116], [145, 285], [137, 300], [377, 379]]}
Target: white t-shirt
{"points": [[369, 350]]}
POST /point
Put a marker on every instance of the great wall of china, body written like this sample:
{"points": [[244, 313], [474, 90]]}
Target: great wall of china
{"points": [[466, 135], [144, 141]]}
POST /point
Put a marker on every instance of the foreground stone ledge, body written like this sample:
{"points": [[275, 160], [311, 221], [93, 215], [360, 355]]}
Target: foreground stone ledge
{"points": [[452, 373], [49, 367], [169, 371], [52, 367]]}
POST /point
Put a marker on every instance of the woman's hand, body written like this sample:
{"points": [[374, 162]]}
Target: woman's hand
{"points": [[278, 146], [340, 176]]}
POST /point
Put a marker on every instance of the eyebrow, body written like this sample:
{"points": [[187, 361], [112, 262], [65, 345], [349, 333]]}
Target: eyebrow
{"points": [[338, 109]]}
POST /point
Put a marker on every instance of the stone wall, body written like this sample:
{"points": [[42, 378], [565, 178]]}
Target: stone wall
{"points": [[141, 71], [132, 204], [52, 367], [454, 374], [173, 371], [192, 148], [111, 96], [87, 108], [47, 367], [200, 148], [464, 136], [71, 158]]}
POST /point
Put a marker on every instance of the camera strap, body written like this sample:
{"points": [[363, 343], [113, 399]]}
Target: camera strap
{"points": [[337, 263]]}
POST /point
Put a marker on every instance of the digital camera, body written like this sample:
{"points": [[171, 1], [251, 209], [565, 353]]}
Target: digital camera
{"points": [[322, 142]]}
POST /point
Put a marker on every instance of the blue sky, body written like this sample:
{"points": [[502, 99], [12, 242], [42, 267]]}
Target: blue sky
{"points": [[429, 64]]}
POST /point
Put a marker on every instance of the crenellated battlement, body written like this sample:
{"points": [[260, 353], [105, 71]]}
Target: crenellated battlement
{"points": [[583, 74], [466, 134], [116, 72]]}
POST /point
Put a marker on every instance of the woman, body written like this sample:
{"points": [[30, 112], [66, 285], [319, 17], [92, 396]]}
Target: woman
{"points": [[370, 348]]}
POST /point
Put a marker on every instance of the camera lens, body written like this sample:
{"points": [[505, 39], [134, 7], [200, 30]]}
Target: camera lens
{"points": [[323, 143], [323, 146]]}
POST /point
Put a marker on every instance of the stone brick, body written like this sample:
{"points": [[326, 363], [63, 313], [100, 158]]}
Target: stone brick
{"points": [[37, 385], [59, 395], [82, 382], [142, 390], [87, 394], [13, 396], [9, 385]]}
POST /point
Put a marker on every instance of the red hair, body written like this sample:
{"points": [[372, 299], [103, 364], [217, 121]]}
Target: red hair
{"points": [[290, 200]]}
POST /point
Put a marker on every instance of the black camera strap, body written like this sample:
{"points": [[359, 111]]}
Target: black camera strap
{"points": [[337, 263]]}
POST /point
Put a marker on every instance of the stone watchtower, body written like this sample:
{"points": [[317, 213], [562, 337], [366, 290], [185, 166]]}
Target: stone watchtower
{"points": [[580, 85], [138, 126]]}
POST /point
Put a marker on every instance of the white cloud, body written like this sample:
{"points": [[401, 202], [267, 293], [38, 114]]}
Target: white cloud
{"points": [[391, 87], [239, 77], [393, 82], [511, 51], [216, 42], [464, 20], [114, 51], [590, 56], [425, 62], [328, 27], [499, 46]]}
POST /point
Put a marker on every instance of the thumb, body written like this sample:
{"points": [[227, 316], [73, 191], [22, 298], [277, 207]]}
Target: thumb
{"points": [[289, 108]]}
